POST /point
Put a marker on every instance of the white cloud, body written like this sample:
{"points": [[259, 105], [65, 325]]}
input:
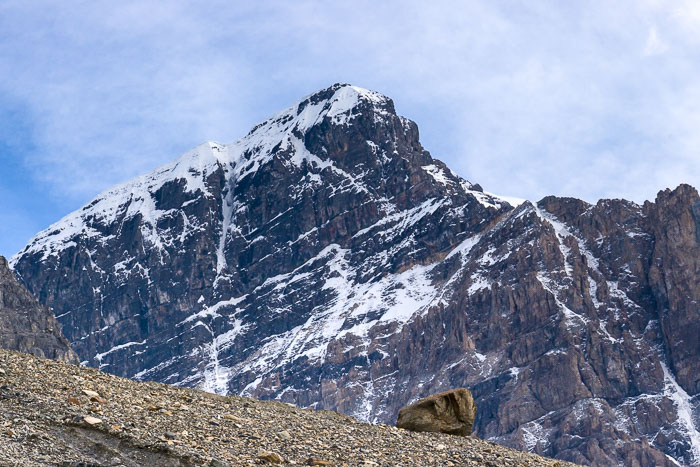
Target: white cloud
{"points": [[686, 13], [654, 45], [527, 99]]}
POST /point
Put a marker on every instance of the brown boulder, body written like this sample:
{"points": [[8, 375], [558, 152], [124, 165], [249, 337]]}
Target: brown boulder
{"points": [[449, 412]]}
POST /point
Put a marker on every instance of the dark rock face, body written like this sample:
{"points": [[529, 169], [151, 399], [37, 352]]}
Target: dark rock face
{"points": [[674, 276], [450, 412], [26, 325], [326, 259]]}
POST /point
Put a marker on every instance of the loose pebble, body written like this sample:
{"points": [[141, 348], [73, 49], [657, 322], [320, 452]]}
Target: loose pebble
{"points": [[92, 420], [272, 457], [90, 393]]}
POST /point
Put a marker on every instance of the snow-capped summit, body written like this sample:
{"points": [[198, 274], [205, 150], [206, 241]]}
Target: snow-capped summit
{"points": [[330, 176], [328, 260], [284, 136]]}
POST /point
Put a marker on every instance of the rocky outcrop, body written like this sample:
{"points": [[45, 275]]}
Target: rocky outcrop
{"points": [[26, 325], [450, 412], [327, 260], [674, 276]]}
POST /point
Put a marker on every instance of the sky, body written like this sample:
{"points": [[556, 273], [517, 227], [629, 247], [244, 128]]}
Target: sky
{"points": [[594, 99]]}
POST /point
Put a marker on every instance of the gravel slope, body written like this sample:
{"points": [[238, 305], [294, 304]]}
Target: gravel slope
{"points": [[50, 415]]}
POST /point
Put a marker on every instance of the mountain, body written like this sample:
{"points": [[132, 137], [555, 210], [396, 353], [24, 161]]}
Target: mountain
{"points": [[327, 260], [26, 325], [78, 416]]}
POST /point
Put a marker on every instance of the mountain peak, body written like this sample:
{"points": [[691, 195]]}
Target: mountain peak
{"points": [[340, 103], [351, 132], [341, 98]]}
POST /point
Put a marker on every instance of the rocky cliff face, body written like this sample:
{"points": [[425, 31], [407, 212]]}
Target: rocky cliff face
{"points": [[26, 325], [326, 259]]}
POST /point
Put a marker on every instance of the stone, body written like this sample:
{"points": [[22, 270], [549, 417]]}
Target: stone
{"points": [[284, 434], [449, 412], [314, 461], [90, 393], [90, 420], [271, 457], [94, 396]]}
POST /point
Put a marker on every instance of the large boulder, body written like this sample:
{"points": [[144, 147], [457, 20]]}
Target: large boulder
{"points": [[449, 412]]}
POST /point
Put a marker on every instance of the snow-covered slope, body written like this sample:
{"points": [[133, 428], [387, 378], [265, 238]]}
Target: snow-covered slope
{"points": [[326, 259], [130, 235]]}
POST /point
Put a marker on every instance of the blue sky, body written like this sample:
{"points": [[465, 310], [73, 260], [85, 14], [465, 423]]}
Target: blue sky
{"points": [[590, 99]]}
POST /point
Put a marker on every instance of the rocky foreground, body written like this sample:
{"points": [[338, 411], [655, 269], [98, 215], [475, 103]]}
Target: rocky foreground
{"points": [[52, 413]]}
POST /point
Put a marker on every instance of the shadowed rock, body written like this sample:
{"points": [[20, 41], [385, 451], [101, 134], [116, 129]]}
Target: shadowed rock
{"points": [[26, 325], [449, 412]]}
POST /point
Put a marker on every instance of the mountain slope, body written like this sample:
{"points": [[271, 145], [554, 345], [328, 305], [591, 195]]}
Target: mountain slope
{"points": [[326, 259], [45, 423], [25, 324]]}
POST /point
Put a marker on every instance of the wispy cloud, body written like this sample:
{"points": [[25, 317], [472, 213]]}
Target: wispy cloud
{"points": [[654, 45], [593, 100]]}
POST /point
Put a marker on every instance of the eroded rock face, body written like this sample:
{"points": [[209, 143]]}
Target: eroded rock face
{"points": [[327, 260], [450, 412], [674, 276], [26, 325]]}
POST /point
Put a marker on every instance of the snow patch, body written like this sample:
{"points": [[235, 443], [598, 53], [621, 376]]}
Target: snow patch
{"points": [[216, 376], [438, 174], [212, 311], [116, 348], [685, 422]]}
